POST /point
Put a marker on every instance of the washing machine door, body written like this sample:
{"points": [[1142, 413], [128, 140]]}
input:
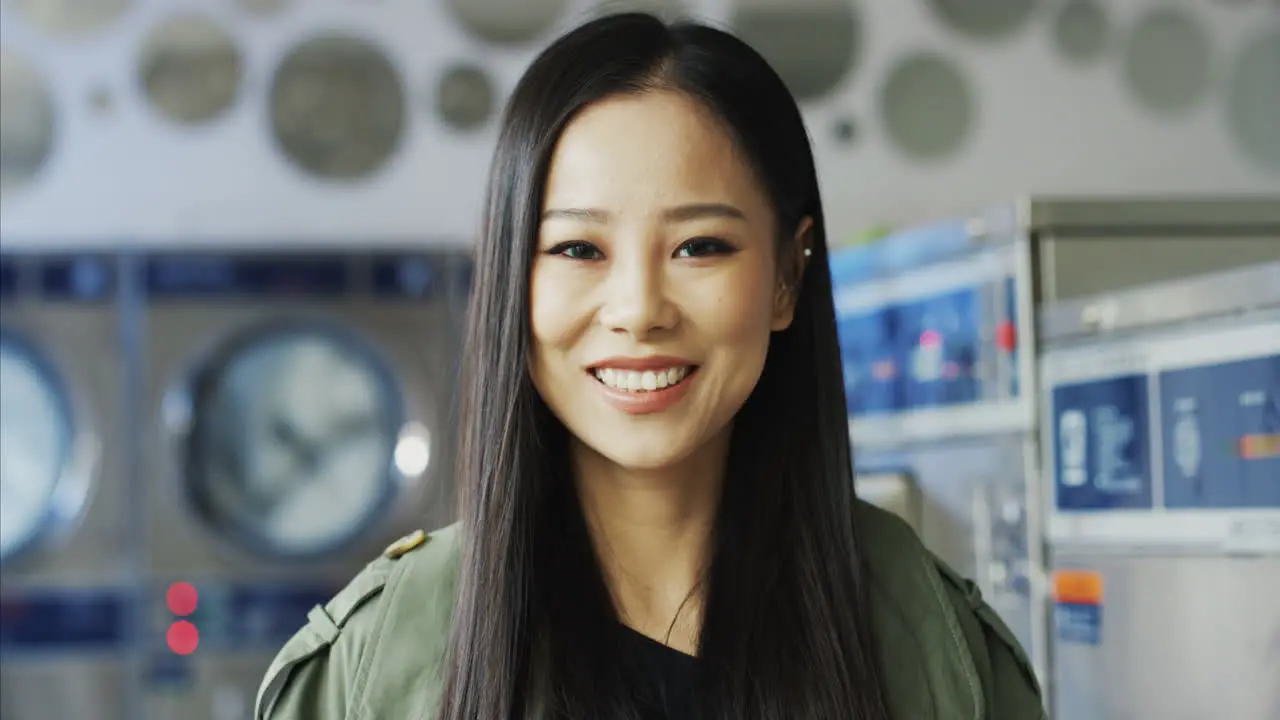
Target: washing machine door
{"points": [[37, 439], [292, 439]]}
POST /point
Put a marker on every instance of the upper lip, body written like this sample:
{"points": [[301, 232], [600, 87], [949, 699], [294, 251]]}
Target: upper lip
{"points": [[654, 362]]}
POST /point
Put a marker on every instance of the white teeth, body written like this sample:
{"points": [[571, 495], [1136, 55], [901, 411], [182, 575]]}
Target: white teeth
{"points": [[647, 381]]}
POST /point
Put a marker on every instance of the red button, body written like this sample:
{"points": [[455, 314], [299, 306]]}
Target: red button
{"points": [[1006, 337], [182, 599], [183, 637]]}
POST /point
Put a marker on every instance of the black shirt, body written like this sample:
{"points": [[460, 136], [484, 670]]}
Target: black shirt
{"points": [[666, 678]]}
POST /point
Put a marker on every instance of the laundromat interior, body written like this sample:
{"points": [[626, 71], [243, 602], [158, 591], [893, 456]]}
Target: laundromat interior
{"points": [[234, 228]]}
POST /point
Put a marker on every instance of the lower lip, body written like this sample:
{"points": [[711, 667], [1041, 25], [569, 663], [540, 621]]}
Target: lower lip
{"points": [[645, 403]]}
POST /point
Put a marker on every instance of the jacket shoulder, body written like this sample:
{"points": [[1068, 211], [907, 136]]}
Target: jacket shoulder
{"points": [[1009, 679], [325, 671], [938, 632]]}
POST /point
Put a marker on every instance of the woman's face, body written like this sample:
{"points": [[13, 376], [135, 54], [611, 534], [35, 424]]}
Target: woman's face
{"points": [[655, 286]]}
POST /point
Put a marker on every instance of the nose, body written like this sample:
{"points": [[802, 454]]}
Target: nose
{"points": [[637, 300]]}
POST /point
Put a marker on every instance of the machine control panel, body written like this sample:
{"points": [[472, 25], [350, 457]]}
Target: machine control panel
{"points": [[73, 277], [83, 620], [198, 276], [1171, 439]]}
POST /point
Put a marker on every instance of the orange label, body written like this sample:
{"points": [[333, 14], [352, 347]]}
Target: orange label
{"points": [[1077, 587], [1258, 447]]}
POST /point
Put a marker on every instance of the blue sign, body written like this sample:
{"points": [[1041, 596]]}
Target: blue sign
{"points": [[1221, 433], [1102, 444], [1079, 623]]}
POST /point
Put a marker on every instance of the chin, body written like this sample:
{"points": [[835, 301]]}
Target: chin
{"points": [[641, 451]]}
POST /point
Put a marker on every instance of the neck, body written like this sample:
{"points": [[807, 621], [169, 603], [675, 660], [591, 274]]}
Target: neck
{"points": [[652, 530]]}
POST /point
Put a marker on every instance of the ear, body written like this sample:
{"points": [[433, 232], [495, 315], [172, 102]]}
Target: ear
{"points": [[792, 262]]}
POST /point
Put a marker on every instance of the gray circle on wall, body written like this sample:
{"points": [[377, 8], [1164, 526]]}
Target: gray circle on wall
{"points": [[191, 69], [927, 106], [507, 22], [465, 96], [69, 19], [338, 107], [1166, 64], [1253, 99], [262, 8], [669, 10], [984, 19], [813, 45], [1080, 29], [28, 122]]}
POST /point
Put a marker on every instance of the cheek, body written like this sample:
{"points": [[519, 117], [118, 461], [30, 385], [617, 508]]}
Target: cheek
{"points": [[552, 319], [742, 311]]}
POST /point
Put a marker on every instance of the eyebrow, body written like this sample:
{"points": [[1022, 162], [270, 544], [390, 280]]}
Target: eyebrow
{"points": [[680, 213]]}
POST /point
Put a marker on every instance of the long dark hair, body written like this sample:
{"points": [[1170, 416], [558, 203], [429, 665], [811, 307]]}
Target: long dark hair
{"points": [[786, 632]]}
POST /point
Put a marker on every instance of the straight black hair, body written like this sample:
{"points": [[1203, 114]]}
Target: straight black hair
{"points": [[786, 630]]}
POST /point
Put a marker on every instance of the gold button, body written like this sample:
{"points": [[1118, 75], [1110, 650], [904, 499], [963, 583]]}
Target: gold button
{"points": [[405, 544]]}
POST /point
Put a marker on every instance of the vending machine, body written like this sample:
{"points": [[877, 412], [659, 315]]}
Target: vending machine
{"points": [[936, 342], [1161, 432], [1074, 402]]}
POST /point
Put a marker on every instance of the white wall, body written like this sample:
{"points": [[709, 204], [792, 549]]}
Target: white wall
{"points": [[1042, 126]]}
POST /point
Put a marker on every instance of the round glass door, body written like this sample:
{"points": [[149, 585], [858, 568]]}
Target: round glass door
{"points": [[36, 444], [292, 441]]}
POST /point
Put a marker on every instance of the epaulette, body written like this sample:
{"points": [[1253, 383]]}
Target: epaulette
{"points": [[325, 623]]}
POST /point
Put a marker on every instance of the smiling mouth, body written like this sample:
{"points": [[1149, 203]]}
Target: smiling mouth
{"points": [[643, 381]]}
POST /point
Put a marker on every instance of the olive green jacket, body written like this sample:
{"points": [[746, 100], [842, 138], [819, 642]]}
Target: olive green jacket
{"points": [[376, 650]]}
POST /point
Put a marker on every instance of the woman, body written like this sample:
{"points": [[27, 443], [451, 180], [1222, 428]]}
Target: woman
{"points": [[658, 512]]}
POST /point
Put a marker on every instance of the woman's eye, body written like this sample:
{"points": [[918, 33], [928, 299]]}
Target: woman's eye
{"points": [[699, 247], [577, 250]]}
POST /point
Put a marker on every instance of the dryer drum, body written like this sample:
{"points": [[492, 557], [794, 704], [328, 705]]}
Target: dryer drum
{"points": [[37, 448], [292, 438]]}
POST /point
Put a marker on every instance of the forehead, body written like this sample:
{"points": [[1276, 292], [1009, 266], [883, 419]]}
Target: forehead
{"points": [[653, 147]]}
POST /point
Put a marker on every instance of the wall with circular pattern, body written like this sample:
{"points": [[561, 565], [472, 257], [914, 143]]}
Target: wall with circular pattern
{"points": [[158, 121]]}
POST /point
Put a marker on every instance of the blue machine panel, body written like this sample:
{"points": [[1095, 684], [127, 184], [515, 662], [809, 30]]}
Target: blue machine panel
{"points": [[1102, 444], [198, 276], [267, 616], [1009, 327], [408, 277], [87, 278], [1221, 430], [939, 340], [79, 279], [63, 620], [249, 618], [8, 278], [872, 372]]}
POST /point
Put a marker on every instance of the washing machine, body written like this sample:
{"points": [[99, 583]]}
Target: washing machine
{"points": [[302, 419], [68, 570], [1162, 440]]}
